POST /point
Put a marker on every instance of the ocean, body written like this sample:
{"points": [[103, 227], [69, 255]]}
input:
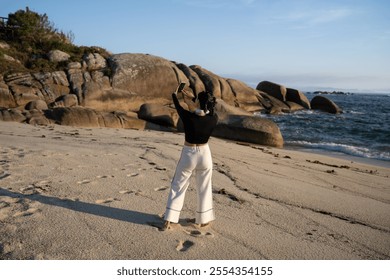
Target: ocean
{"points": [[362, 130]]}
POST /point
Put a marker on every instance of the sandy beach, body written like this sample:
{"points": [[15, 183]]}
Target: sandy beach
{"points": [[94, 193]]}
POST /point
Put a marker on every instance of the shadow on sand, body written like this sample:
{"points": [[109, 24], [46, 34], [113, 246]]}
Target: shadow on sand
{"points": [[130, 216]]}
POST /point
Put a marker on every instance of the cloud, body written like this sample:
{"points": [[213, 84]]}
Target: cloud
{"points": [[298, 19]]}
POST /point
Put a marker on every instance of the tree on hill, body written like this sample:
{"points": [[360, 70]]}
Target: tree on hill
{"points": [[33, 32], [31, 37]]}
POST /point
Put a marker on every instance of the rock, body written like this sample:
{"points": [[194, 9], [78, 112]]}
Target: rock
{"points": [[4, 45], [36, 117], [86, 117], [23, 98], [6, 98], [237, 124], [54, 84], [210, 80], [249, 129], [273, 89], [158, 114], [272, 104], [77, 116], [195, 83], [139, 78], [76, 81], [58, 56], [324, 104], [224, 110], [37, 105], [11, 115], [24, 79], [67, 100], [11, 59], [94, 61], [297, 97], [294, 106], [246, 97], [74, 65]]}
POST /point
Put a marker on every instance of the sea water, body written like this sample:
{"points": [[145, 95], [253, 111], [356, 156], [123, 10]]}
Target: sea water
{"points": [[362, 130]]}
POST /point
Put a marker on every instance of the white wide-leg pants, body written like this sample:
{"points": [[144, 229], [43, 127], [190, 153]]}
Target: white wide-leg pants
{"points": [[196, 159]]}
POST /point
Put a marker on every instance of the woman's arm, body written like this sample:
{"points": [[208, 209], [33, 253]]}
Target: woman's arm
{"points": [[176, 102]]}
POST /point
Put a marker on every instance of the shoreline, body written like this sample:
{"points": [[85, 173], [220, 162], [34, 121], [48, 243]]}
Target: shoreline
{"points": [[99, 193], [340, 155]]}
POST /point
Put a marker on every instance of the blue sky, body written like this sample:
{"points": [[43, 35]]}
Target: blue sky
{"points": [[306, 44]]}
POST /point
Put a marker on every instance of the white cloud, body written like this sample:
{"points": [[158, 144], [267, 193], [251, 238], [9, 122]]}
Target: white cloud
{"points": [[298, 19]]}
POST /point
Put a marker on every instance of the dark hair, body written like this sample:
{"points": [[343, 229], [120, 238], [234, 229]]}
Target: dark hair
{"points": [[206, 101]]}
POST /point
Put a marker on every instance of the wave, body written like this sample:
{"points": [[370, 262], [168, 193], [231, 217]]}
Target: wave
{"points": [[342, 148]]}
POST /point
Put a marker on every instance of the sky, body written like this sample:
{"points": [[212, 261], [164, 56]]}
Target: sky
{"points": [[304, 44]]}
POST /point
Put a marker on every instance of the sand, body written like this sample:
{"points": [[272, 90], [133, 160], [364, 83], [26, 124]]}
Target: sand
{"points": [[94, 193]]}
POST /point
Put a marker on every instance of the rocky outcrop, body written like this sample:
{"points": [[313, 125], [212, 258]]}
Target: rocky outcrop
{"points": [[158, 114], [249, 129], [297, 97], [101, 92], [273, 89], [11, 115], [86, 117], [324, 104], [6, 98], [237, 124], [246, 97], [273, 105], [141, 78]]}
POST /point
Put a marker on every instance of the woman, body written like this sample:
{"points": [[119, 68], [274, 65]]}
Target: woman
{"points": [[195, 156]]}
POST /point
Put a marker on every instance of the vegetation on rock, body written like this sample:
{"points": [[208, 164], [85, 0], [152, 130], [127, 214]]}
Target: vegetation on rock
{"points": [[29, 37]]}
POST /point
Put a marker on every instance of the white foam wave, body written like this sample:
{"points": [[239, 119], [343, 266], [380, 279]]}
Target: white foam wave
{"points": [[342, 148]]}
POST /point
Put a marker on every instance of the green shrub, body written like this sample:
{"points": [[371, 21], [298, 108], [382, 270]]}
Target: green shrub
{"points": [[32, 36]]}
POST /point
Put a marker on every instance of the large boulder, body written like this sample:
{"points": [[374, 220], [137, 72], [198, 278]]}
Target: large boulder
{"points": [[58, 56], [54, 84], [210, 80], [237, 124], [67, 100], [158, 114], [224, 110], [324, 104], [36, 117], [250, 129], [298, 97], [273, 105], [195, 83], [94, 61], [87, 117], [39, 105], [246, 97], [11, 115], [6, 98], [140, 78], [273, 89]]}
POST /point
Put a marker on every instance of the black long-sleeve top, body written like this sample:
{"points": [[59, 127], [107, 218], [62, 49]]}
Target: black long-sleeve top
{"points": [[197, 129]]}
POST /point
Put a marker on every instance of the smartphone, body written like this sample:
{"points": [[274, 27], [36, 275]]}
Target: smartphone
{"points": [[181, 87]]}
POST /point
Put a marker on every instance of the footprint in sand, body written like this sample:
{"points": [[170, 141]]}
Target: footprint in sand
{"points": [[160, 189], [107, 200], [29, 190], [27, 212], [126, 191], [198, 233], [4, 175], [184, 246], [84, 182]]}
